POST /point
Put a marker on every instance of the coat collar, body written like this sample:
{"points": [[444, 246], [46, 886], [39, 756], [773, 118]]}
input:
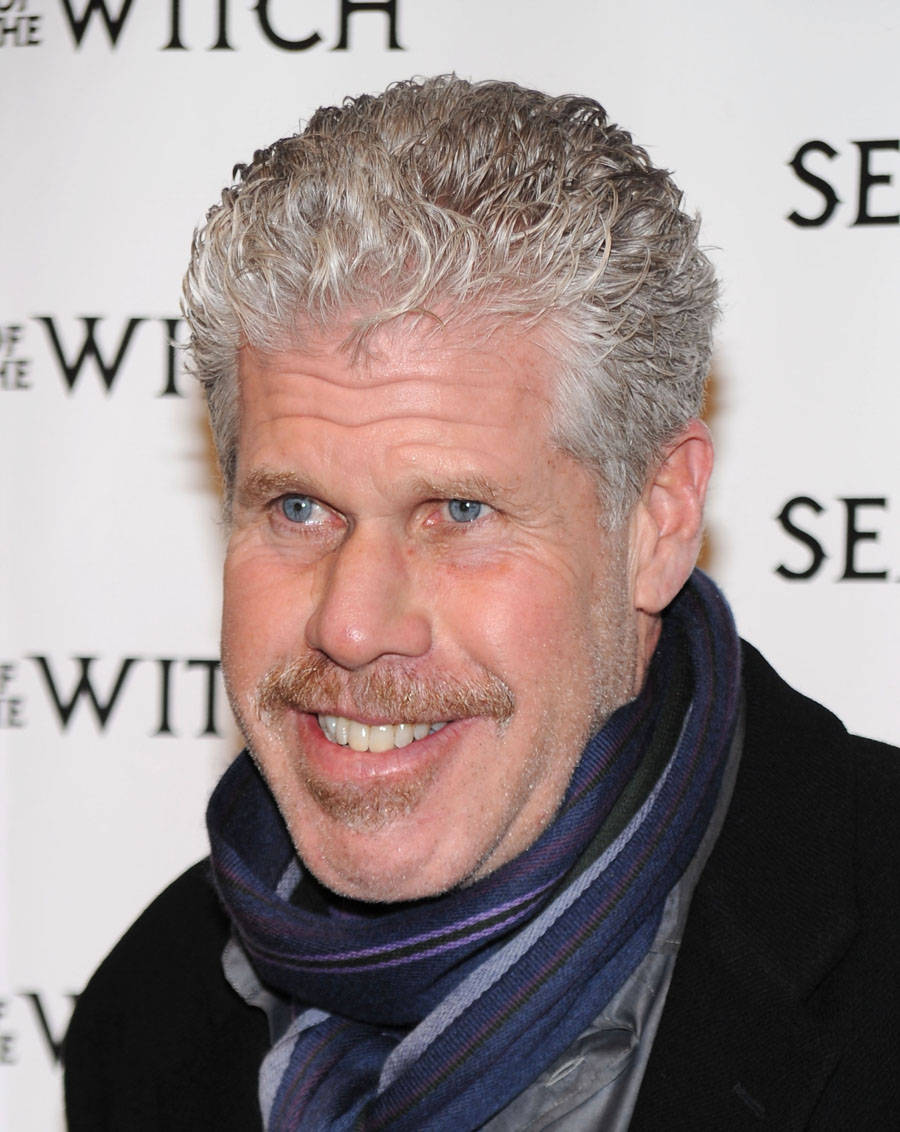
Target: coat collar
{"points": [[743, 1039]]}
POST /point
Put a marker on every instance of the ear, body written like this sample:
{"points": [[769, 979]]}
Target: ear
{"points": [[667, 523]]}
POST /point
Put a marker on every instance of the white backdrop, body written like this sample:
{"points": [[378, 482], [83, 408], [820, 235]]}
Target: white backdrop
{"points": [[121, 122]]}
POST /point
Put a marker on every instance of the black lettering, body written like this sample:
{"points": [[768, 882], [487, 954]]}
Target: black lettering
{"points": [[830, 196], [84, 688], [7, 1042], [19, 31], [222, 43], [212, 668], [854, 535], [14, 373], [108, 370], [867, 179], [10, 335], [351, 7], [165, 673], [114, 24], [54, 1044], [262, 11], [11, 31], [170, 389], [175, 42], [817, 554], [11, 713]]}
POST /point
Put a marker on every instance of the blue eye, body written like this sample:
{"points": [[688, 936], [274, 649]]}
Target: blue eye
{"points": [[464, 510], [297, 508]]}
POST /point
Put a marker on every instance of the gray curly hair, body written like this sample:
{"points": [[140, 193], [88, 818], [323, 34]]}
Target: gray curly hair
{"points": [[487, 200]]}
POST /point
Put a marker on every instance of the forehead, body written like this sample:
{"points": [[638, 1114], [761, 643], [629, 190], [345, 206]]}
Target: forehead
{"points": [[407, 371]]}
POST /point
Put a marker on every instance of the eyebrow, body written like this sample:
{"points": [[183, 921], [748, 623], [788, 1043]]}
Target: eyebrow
{"points": [[475, 487], [263, 484]]}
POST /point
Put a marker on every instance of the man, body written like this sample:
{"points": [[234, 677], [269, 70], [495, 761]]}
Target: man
{"points": [[454, 341]]}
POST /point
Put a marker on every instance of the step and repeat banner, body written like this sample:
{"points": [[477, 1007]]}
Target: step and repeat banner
{"points": [[121, 121]]}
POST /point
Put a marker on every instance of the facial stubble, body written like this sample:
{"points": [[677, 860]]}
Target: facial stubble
{"points": [[314, 685]]}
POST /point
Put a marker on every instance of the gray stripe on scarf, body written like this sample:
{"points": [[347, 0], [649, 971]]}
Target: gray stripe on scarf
{"points": [[484, 977]]}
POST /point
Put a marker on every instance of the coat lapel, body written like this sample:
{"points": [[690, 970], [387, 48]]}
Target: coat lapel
{"points": [[743, 1041]]}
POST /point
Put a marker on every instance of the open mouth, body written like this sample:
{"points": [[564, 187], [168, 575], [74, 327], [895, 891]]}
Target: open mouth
{"points": [[374, 737]]}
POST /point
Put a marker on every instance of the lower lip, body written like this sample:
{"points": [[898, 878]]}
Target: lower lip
{"points": [[343, 764]]}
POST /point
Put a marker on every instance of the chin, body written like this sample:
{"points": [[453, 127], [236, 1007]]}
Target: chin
{"points": [[398, 862]]}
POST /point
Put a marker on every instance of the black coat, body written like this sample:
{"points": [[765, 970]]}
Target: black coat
{"points": [[783, 1012]]}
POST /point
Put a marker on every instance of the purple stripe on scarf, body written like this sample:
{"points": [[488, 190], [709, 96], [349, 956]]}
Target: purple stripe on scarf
{"points": [[530, 1010]]}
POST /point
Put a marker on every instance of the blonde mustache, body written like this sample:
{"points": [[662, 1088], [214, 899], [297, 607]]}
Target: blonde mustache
{"points": [[316, 685]]}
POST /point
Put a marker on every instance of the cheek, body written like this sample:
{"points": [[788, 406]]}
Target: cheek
{"points": [[263, 610], [523, 619]]}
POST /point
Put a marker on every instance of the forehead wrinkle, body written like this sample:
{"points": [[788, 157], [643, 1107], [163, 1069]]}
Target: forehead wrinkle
{"points": [[386, 372], [404, 416], [403, 387], [378, 394]]}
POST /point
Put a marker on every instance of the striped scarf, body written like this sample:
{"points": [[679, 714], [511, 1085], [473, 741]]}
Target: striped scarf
{"points": [[436, 1013]]}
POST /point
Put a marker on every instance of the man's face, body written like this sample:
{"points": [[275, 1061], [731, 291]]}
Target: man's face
{"points": [[424, 617]]}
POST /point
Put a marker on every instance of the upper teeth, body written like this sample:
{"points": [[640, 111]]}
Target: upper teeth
{"points": [[373, 736]]}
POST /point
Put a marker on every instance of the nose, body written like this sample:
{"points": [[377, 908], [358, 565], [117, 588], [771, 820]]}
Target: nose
{"points": [[366, 606]]}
